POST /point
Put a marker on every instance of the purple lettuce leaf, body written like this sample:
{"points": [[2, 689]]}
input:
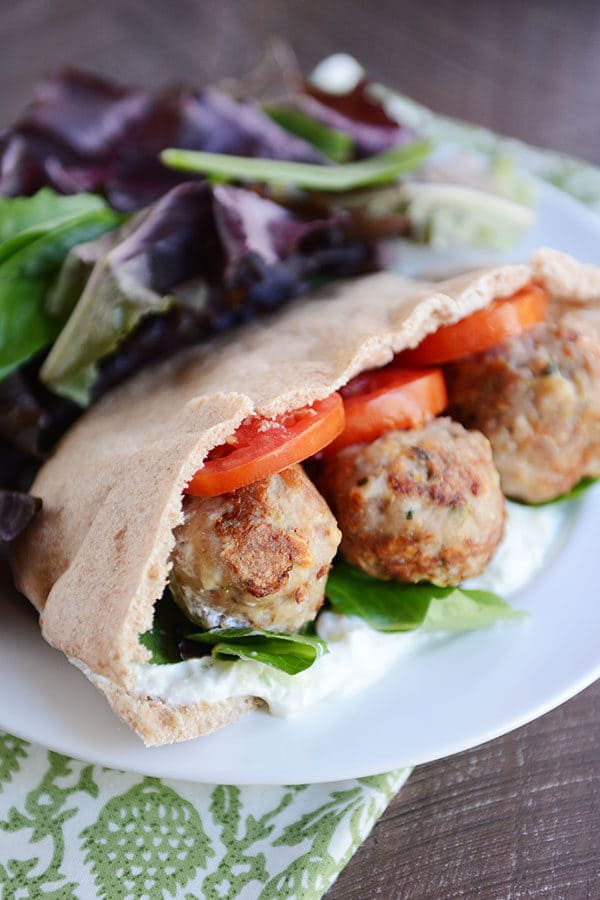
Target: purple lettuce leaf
{"points": [[17, 469], [169, 243], [85, 133], [222, 252], [32, 418], [272, 255], [16, 512], [248, 223], [369, 137], [357, 104], [86, 114]]}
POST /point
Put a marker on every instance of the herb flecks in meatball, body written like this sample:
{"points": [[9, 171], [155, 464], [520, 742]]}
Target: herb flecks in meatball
{"points": [[258, 556], [418, 505], [537, 399]]}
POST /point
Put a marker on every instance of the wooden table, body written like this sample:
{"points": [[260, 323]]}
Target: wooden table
{"points": [[519, 817]]}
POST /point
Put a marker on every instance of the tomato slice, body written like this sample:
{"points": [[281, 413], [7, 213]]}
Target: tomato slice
{"points": [[387, 399], [493, 325], [261, 447]]}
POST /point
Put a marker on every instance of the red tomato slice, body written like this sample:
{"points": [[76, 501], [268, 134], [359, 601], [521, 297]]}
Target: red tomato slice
{"points": [[261, 447], [387, 399], [487, 328]]}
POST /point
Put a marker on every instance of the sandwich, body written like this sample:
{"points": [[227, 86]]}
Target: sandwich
{"points": [[195, 519]]}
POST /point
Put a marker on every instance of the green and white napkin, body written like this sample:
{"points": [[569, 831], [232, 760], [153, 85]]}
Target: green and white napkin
{"points": [[71, 830]]}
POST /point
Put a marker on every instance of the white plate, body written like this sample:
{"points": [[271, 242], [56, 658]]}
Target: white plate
{"points": [[448, 697]]}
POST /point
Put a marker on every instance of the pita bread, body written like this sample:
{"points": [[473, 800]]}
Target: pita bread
{"points": [[97, 557], [566, 279]]}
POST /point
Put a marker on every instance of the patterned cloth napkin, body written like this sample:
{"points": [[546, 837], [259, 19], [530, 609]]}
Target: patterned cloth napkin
{"points": [[68, 829], [71, 830]]}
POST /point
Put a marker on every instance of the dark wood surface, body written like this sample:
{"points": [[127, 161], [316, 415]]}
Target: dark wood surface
{"points": [[520, 816]]}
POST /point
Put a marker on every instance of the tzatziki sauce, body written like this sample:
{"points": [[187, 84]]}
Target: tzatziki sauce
{"points": [[358, 655]]}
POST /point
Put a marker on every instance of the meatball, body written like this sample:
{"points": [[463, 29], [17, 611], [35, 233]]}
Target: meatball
{"points": [[257, 556], [537, 399], [418, 505]]}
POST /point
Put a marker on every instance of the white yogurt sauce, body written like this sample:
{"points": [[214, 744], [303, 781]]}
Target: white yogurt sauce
{"points": [[358, 655], [530, 536]]}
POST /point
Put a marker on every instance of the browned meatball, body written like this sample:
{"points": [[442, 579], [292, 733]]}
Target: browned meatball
{"points": [[537, 398], [418, 505], [257, 556]]}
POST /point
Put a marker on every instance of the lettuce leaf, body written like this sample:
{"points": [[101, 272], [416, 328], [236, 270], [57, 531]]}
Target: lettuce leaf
{"points": [[17, 465], [86, 133], [38, 233], [130, 278], [46, 209], [218, 255], [169, 641], [169, 627], [290, 653], [16, 512], [393, 606], [75, 272]]}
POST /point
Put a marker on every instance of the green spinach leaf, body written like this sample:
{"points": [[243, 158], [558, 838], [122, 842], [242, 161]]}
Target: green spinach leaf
{"points": [[291, 653], [396, 606], [44, 210], [31, 252], [170, 624]]}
